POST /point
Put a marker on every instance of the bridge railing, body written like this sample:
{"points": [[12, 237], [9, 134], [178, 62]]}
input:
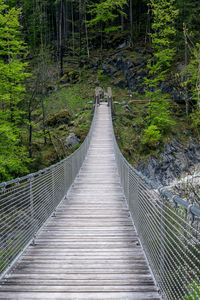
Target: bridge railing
{"points": [[169, 231], [26, 203]]}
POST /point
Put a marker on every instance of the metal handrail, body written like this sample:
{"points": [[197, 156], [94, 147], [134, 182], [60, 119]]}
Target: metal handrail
{"points": [[169, 231], [26, 203]]}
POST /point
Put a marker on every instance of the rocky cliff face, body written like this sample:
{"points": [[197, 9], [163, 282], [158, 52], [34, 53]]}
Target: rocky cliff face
{"points": [[130, 72], [175, 162]]}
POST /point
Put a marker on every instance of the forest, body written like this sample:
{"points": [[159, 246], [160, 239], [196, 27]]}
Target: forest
{"points": [[53, 53]]}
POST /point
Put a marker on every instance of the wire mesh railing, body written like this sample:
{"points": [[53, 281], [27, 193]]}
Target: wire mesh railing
{"points": [[168, 226], [169, 232], [26, 203]]}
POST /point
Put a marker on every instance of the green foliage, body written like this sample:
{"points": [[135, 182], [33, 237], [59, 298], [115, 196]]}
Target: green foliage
{"points": [[12, 69], [164, 16], [195, 119], [69, 98], [111, 29], [36, 23], [13, 157], [189, 12], [106, 11], [151, 136], [158, 112], [100, 75], [191, 74], [195, 292]]}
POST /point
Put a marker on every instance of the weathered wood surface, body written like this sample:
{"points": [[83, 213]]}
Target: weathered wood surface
{"points": [[90, 250]]}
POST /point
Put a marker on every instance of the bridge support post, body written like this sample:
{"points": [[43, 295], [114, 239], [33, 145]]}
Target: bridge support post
{"points": [[65, 177], [97, 96], [31, 179], [110, 99], [128, 187], [53, 191], [162, 239]]}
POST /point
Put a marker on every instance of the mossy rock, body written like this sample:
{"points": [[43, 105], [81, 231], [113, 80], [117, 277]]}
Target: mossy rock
{"points": [[63, 127], [49, 156], [129, 116], [116, 38], [70, 76], [81, 133], [64, 79], [62, 117]]}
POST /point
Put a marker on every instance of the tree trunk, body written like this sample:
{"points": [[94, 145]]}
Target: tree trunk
{"points": [[148, 28], [80, 31], [30, 118], [131, 21], [43, 118], [101, 26], [139, 3], [60, 50], [30, 130], [198, 81], [122, 22], [34, 26], [72, 16], [86, 32], [185, 76], [66, 21]]}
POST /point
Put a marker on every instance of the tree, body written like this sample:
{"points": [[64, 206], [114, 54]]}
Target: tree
{"points": [[189, 11], [163, 26], [13, 157], [60, 30], [193, 68], [163, 35], [131, 20], [104, 13]]}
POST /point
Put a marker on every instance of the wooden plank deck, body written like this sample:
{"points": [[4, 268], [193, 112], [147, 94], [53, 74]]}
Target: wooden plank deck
{"points": [[90, 250]]}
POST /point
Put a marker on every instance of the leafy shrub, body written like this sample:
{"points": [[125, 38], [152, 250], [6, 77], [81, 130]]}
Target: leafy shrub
{"points": [[151, 136], [100, 75], [13, 155], [158, 112], [195, 119]]}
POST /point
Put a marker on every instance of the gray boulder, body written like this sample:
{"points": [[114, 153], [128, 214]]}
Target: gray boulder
{"points": [[122, 46], [174, 162], [71, 141]]}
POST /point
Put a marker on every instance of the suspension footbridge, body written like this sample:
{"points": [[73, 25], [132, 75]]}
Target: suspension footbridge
{"points": [[92, 227]]}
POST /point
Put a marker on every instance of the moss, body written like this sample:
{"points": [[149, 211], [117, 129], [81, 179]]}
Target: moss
{"points": [[62, 117]]}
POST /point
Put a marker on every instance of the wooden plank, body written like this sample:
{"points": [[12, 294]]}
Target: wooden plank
{"points": [[54, 233], [81, 282], [48, 259], [86, 251], [80, 296], [72, 288], [79, 271], [105, 276]]}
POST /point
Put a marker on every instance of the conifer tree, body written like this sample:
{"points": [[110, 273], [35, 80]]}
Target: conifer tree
{"points": [[163, 26]]}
